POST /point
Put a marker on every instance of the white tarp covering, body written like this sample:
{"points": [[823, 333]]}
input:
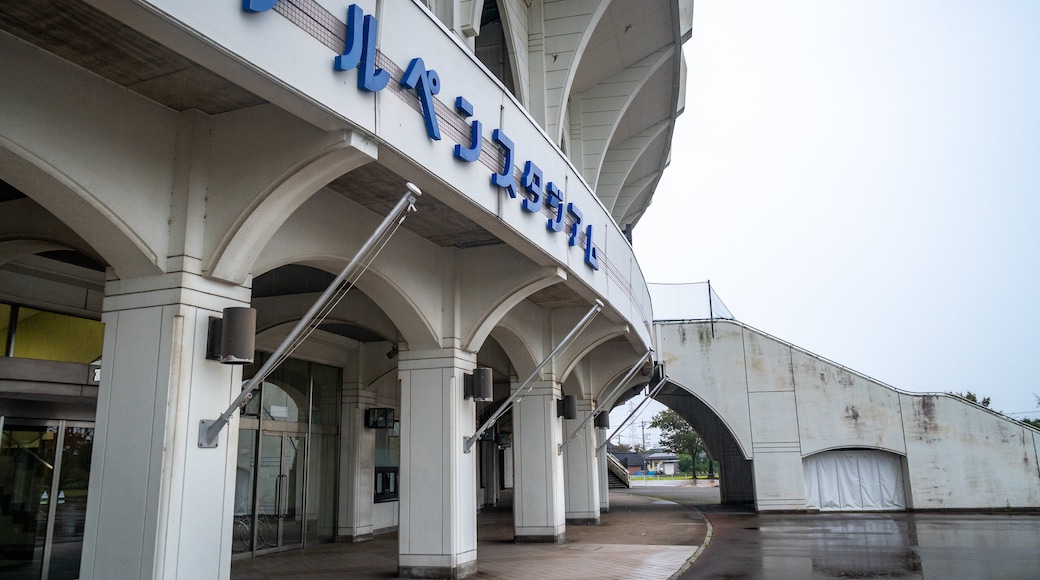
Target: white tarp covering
{"points": [[853, 480], [696, 301]]}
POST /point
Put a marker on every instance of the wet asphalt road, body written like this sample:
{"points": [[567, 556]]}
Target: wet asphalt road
{"points": [[746, 545]]}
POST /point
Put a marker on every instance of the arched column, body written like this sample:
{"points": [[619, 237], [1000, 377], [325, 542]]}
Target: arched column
{"points": [[160, 506], [601, 469], [538, 499], [356, 471], [581, 475], [437, 536]]}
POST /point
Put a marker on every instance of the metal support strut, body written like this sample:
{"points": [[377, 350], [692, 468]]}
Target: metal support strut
{"points": [[467, 442], [604, 401], [209, 429], [650, 395]]}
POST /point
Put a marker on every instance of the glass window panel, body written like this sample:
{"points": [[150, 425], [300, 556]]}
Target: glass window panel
{"points": [[268, 488], [26, 468], [71, 509], [292, 496], [5, 323], [245, 472], [388, 448], [252, 408], [321, 486], [58, 337], [326, 388], [285, 392]]}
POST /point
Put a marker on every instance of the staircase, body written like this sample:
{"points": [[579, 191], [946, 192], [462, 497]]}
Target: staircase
{"points": [[617, 474], [615, 482]]}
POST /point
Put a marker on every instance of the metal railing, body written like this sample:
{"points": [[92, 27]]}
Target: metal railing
{"points": [[615, 466]]}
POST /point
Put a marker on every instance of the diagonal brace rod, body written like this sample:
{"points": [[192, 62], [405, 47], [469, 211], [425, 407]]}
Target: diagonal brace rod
{"points": [[650, 395], [603, 402], [467, 442], [209, 430]]}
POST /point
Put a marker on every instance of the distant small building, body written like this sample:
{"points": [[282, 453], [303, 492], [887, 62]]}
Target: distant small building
{"points": [[663, 462]]}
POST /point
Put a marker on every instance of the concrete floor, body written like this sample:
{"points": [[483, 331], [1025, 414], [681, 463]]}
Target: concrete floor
{"points": [[652, 532], [745, 545], [641, 537]]}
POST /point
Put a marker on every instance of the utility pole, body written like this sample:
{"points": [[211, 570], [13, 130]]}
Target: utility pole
{"points": [[642, 428]]}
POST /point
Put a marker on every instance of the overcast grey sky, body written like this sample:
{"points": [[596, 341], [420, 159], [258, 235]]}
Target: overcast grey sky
{"points": [[862, 178]]}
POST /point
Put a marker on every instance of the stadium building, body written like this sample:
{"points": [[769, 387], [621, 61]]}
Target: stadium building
{"points": [[165, 164], [279, 273]]}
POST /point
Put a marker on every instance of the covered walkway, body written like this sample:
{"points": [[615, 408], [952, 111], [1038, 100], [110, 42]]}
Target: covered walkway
{"points": [[640, 537]]}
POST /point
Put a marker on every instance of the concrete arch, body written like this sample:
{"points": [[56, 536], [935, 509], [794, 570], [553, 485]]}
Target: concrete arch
{"points": [[737, 481], [621, 160], [598, 333], [337, 316], [254, 228], [412, 325], [521, 352], [652, 64], [384, 386], [622, 90], [519, 290], [853, 447], [27, 228], [14, 249], [597, 374], [327, 230], [103, 231], [578, 55], [673, 391], [608, 366], [355, 308], [417, 330], [515, 30]]}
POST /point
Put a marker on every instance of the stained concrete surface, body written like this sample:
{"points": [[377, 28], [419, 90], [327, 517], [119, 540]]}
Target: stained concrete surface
{"points": [[646, 539], [746, 545], [640, 538]]}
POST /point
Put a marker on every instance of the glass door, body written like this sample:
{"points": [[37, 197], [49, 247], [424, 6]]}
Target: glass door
{"points": [[44, 469], [285, 483], [279, 491]]}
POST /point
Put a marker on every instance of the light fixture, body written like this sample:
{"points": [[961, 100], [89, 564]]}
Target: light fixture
{"points": [[504, 440], [232, 339], [567, 407], [379, 418], [392, 352], [479, 386], [602, 420]]}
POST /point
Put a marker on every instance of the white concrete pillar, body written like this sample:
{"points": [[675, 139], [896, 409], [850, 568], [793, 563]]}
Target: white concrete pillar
{"points": [[356, 471], [538, 499], [437, 536], [488, 479], [601, 469], [508, 481], [161, 507], [581, 470]]}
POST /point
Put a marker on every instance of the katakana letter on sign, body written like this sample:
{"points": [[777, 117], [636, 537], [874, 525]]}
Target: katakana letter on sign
{"points": [[472, 152], [505, 179], [360, 51]]}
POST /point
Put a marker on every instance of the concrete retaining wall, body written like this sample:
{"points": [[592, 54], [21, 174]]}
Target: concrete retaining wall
{"points": [[778, 404]]}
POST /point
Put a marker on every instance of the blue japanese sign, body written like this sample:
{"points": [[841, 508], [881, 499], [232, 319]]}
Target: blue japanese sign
{"points": [[360, 53]]}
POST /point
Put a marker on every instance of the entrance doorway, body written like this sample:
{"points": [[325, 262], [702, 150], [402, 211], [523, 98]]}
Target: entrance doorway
{"points": [[44, 470], [287, 443], [274, 520]]}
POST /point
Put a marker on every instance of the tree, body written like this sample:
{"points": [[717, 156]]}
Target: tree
{"points": [[1034, 422], [676, 434], [975, 399]]}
